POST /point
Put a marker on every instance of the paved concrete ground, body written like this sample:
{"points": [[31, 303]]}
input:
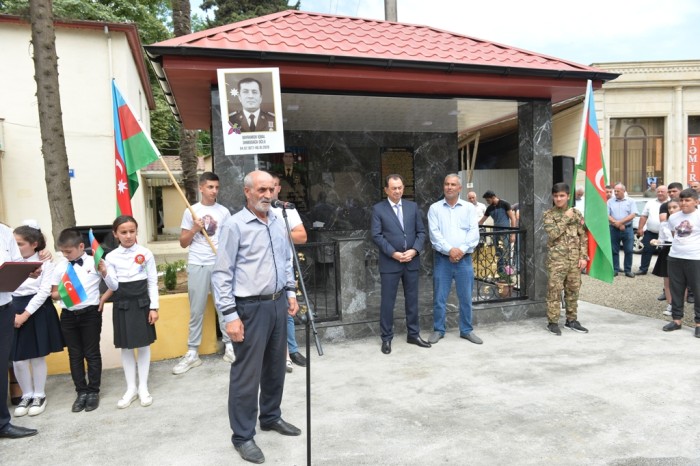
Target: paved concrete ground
{"points": [[622, 394]]}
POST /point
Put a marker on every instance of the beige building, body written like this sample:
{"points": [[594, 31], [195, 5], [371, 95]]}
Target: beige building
{"points": [[649, 123], [90, 55]]}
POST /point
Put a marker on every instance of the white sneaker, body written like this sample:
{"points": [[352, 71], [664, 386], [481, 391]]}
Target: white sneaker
{"points": [[667, 312], [126, 400], [38, 406], [146, 399], [229, 357], [23, 408], [290, 368], [187, 362]]}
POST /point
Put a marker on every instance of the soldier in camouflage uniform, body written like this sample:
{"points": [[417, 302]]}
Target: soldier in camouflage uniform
{"points": [[567, 247]]}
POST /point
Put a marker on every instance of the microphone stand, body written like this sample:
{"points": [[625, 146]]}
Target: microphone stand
{"points": [[309, 323]]}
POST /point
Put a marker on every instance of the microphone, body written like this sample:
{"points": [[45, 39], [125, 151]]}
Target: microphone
{"points": [[281, 204]]}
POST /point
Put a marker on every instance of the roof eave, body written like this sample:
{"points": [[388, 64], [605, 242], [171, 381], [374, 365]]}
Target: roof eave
{"points": [[154, 53]]}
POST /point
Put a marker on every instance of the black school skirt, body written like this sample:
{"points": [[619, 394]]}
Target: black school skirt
{"points": [[660, 268], [130, 309], [40, 334]]}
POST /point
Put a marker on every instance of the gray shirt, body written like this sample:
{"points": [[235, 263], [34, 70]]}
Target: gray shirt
{"points": [[253, 259]]}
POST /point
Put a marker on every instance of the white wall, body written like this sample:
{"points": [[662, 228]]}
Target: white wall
{"points": [[86, 100], [503, 182]]}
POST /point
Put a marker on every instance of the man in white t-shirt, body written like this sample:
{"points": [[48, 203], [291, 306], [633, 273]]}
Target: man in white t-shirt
{"points": [[209, 216], [649, 224], [296, 226], [684, 258]]}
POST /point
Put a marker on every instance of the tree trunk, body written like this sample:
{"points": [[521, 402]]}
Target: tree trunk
{"points": [[53, 143], [182, 25]]}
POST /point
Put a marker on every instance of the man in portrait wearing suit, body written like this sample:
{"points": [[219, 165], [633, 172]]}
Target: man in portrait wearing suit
{"points": [[251, 118], [399, 233]]}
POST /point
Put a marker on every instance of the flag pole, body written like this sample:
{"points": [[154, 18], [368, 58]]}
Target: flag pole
{"points": [[577, 164], [184, 198], [167, 169]]}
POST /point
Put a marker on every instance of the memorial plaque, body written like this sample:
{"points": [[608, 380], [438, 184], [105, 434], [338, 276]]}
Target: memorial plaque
{"points": [[398, 160]]}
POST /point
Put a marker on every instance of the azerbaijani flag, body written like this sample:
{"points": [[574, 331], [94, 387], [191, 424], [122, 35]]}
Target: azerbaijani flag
{"points": [[590, 160], [70, 289], [133, 150], [97, 251]]}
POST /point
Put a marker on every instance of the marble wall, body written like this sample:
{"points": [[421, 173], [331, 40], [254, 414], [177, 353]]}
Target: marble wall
{"points": [[345, 166]]}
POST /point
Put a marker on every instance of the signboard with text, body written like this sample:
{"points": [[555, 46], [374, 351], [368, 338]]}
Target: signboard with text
{"points": [[693, 166], [251, 110]]}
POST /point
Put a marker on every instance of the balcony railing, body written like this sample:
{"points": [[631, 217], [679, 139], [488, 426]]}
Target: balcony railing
{"points": [[498, 265], [320, 269]]}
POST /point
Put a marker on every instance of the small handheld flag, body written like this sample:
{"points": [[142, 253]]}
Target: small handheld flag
{"points": [[70, 289], [97, 251]]}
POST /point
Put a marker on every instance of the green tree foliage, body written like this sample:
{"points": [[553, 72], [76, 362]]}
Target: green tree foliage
{"points": [[149, 15], [232, 11]]}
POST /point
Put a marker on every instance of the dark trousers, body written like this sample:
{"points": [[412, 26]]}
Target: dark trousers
{"points": [[7, 325], [390, 285], [260, 364], [682, 274], [627, 238], [648, 250], [81, 331]]}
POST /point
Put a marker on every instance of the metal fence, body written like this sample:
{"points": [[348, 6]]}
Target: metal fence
{"points": [[320, 269], [498, 263]]}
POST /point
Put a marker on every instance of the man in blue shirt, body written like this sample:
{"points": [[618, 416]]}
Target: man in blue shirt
{"points": [[621, 212], [254, 289], [454, 233]]}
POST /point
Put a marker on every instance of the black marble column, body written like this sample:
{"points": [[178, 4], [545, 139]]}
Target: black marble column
{"points": [[534, 189]]}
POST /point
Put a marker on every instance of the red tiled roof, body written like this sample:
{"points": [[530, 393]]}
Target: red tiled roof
{"points": [[297, 32], [322, 53]]}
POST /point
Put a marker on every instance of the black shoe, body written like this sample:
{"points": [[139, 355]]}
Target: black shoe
{"points": [[629, 274], [641, 272], [671, 326], [386, 347], [249, 451], [298, 359], [283, 427], [554, 329], [93, 401], [10, 431], [690, 299], [418, 341], [79, 403], [697, 332], [575, 326], [662, 296]]}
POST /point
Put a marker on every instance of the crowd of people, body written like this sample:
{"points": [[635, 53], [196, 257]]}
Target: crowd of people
{"points": [[245, 260]]}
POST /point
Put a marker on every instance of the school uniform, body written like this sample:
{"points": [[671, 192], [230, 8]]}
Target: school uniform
{"points": [[132, 276], [41, 333], [82, 325]]}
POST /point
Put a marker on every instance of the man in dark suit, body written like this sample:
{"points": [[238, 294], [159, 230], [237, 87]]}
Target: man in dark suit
{"points": [[399, 233], [251, 118]]}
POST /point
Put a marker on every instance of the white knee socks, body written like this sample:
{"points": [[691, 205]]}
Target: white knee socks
{"points": [[24, 377], [144, 361], [31, 376]]}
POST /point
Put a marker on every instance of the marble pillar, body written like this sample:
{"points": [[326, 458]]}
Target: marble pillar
{"points": [[534, 189]]}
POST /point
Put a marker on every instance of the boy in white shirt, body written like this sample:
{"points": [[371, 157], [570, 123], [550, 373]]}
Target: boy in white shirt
{"points": [[200, 262], [684, 258]]}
